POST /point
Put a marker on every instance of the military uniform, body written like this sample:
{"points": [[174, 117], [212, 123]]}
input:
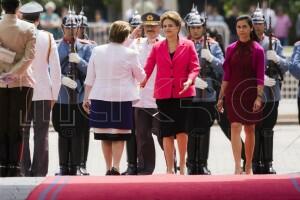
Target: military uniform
{"points": [[263, 152], [16, 88], [294, 69], [69, 118], [131, 146], [46, 72], [202, 113], [145, 108], [83, 24]]}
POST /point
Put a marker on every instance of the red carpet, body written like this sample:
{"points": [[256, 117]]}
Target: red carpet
{"points": [[169, 187]]}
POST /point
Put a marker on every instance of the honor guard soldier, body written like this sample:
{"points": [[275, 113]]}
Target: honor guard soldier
{"points": [[276, 66], [47, 75], [83, 25], [135, 21], [202, 112], [84, 39], [17, 50], [294, 69], [69, 119]]}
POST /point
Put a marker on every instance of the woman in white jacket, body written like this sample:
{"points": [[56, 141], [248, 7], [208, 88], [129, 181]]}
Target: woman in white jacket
{"points": [[110, 88]]}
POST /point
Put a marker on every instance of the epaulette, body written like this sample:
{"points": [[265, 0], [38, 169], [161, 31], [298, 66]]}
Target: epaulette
{"points": [[84, 41], [297, 43], [58, 41], [211, 40]]}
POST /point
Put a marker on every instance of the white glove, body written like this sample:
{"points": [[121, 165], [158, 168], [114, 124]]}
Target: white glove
{"points": [[74, 58], [269, 82], [201, 84], [66, 81], [205, 53], [272, 55]]}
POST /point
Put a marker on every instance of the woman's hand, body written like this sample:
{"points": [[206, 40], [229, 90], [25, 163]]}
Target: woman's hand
{"points": [[86, 105], [143, 83], [186, 86], [257, 104], [220, 105]]}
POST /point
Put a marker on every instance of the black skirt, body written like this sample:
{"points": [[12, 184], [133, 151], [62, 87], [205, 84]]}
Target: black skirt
{"points": [[172, 116]]}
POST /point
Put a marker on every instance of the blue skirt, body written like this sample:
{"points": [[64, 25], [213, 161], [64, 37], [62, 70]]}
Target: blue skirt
{"points": [[106, 114]]}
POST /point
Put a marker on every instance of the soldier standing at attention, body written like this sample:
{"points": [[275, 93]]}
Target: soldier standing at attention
{"points": [[69, 119], [203, 112], [263, 152], [16, 85], [294, 69], [83, 38]]}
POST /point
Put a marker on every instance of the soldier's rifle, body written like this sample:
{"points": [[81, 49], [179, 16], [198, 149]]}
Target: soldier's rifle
{"points": [[206, 68], [273, 69], [72, 66]]}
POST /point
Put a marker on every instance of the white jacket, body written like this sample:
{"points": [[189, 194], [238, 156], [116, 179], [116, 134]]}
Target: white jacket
{"points": [[112, 72], [146, 94], [47, 76]]}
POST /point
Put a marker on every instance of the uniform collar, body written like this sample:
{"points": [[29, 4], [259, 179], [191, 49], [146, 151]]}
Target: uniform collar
{"points": [[199, 40]]}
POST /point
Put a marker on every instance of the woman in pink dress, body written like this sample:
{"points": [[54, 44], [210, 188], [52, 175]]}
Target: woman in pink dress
{"points": [[242, 88]]}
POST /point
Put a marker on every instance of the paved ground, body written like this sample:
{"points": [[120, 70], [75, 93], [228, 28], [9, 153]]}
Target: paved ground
{"points": [[286, 159], [286, 155]]}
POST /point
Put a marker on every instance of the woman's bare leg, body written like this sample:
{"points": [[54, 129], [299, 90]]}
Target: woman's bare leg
{"points": [[182, 139], [249, 146], [117, 151], [236, 144], [107, 152], [168, 143]]}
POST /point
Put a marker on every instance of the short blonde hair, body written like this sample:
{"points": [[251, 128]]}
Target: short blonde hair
{"points": [[119, 31], [171, 15]]}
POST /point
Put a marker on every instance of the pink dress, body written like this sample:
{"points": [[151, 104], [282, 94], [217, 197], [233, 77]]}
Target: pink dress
{"points": [[244, 70]]}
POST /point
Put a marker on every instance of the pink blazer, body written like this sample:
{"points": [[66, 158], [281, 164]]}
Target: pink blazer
{"points": [[171, 74]]}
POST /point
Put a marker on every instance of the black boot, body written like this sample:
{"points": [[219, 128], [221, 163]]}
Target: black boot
{"points": [[63, 171], [268, 151], [131, 155], [257, 166], [3, 170], [76, 171], [202, 155], [202, 168], [191, 154], [13, 171], [131, 169], [83, 170], [63, 152]]}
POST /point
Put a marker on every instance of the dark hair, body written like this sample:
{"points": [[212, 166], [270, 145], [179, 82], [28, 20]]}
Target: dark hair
{"points": [[248, 19], [119, 31], [213, 33], [32, 17], [10, 7]]}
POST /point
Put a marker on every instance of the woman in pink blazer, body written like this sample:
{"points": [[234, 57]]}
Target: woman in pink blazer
{"points": [[177, 67]]}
